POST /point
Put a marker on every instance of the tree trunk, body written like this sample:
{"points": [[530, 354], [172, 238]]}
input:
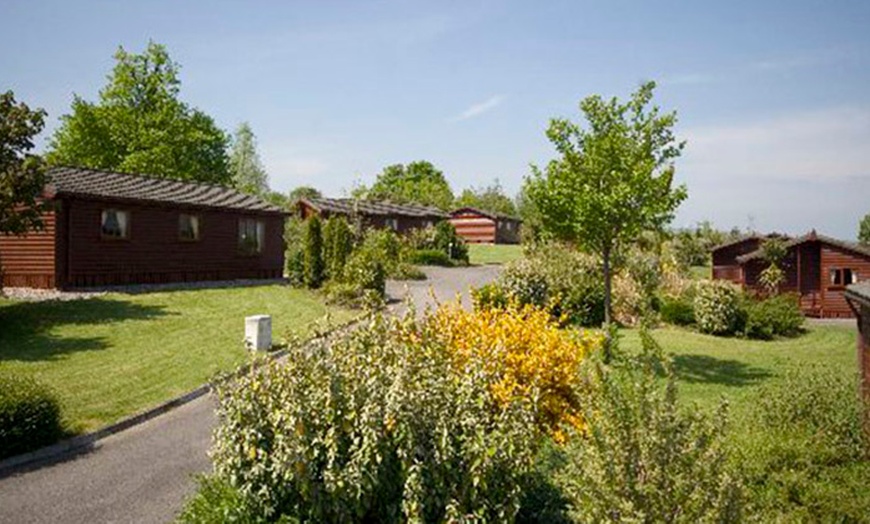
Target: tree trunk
{"points": [[605, 255]]}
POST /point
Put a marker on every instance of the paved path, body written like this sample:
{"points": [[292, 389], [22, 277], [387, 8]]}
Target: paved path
{"points": [[144, 474]]}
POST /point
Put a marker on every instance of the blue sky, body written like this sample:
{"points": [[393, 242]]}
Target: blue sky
{"points": [[772, 97]]}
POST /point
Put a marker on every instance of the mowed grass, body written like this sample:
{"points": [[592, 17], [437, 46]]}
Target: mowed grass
{"points": [[494, 253], [112, 356], [710, 369]]}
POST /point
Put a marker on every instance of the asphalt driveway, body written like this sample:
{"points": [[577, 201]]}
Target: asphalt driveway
{"points": [[144, 474]]}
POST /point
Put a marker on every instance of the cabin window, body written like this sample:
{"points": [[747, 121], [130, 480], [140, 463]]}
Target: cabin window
{"points": [[252, 234], [188, 227], [392, 223], [115, 224], [843, 277]]}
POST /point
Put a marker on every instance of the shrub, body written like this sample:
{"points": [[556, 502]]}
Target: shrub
{"points": [[805, 455], [385, 246], [778, 315], [217, 501], [489, 296], [445, 239], [337, 245], [717, 308], [294, 239], [526, 352], [677, 311], [405, 271], [644, 458], [430, 257], [378, 426], [363, 281], [29, 416], [313, 257]]}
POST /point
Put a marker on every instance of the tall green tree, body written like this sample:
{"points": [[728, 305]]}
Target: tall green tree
{"points": [[864, 230], [489, 198], [612, 180], [303, 192], [22, 174], [247, 169], [419, 182], [140, 125]]}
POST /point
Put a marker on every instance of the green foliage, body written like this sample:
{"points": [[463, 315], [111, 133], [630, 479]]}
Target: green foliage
{"points": [[217, 501], [778, 315], [805, 456], [303, 192], [491, 295], [558, 278], [490, 198], [679, 310], [717, 308], [612, 181], [337, 245], [22, 174], [419, 182], [378, 426], [246, 168], [446, 240], [139, 125], [864, 230], [430, 257], [314, 268], [29, 416], [294, 239], [644, 458], [771, 278], [692, 247]]}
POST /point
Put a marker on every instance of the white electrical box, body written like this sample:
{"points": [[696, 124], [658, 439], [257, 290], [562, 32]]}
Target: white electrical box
{"points": [[258, 332]]}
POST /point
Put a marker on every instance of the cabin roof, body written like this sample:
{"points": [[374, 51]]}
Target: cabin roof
{"points": [[751, 236], [73, 181], [348, 206], [487, 214], [859, 292], [812, 236]]}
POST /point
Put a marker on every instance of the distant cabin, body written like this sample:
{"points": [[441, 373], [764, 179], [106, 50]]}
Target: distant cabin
{"points": [[482, 227], [106, 228], [380, 214], [818, 268]]}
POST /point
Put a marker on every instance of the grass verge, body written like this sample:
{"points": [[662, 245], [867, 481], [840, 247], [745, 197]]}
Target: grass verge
{"points": [[113, 356]]}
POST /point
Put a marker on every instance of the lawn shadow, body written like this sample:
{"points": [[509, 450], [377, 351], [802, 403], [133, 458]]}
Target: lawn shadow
{"points": [[26, 327], [710, 370]]}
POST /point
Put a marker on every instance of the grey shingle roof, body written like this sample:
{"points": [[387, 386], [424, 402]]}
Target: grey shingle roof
{"points": [[810, 237], [859, 292], [346, 206], [124, 186]]}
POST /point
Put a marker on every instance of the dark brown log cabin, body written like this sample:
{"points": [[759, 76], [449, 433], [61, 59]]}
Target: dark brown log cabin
{"points": [[482, 227], [372, 213], [817, 268], [106, 228], [725, 264]]}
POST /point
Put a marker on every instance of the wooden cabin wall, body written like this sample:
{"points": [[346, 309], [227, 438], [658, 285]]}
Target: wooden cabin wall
{"points": [[29, 260]]}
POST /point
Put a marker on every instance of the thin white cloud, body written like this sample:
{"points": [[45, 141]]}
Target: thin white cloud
{"points": [[688, 79], [480, 108], [288, 167], [824, 144]]}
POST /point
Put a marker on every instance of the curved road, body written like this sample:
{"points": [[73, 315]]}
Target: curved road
{"points": [[145, 473]]}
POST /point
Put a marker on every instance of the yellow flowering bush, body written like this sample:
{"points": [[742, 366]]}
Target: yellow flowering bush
{"points": [[524, 354]]}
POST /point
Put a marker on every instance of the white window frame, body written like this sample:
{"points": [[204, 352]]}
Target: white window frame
{"points": [[122, 217]]}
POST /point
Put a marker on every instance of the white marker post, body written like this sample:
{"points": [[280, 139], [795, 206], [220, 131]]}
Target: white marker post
{"points": [[258, 332]]}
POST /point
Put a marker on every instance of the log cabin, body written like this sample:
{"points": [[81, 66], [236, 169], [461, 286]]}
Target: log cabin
{"points": [[476, 226], [105, 228], [401, 218], [817, 268]]}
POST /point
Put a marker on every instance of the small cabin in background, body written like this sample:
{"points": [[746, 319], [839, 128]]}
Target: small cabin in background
{"points": [[372, 213], [482, 227], [725, 264], [105, 228], [817, 268]]}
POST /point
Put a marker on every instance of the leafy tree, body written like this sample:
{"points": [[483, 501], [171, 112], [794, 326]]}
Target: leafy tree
{"points": [[313, 254], [418, 182], [337, 245], [22, 174], [304, 192], [140, 125], [864, 230], [773, 250], [490, 198], [613, 180], [247, 169]]}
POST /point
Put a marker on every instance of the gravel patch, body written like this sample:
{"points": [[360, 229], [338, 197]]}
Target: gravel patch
{"points": [[29, 294]]}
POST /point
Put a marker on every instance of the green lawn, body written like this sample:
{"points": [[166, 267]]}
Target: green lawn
{"points": [[712, 368], [701, 272], [113, 356], [494, 253]]}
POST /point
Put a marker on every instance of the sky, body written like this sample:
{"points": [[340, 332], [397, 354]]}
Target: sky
{"points": [[772, 97]]}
